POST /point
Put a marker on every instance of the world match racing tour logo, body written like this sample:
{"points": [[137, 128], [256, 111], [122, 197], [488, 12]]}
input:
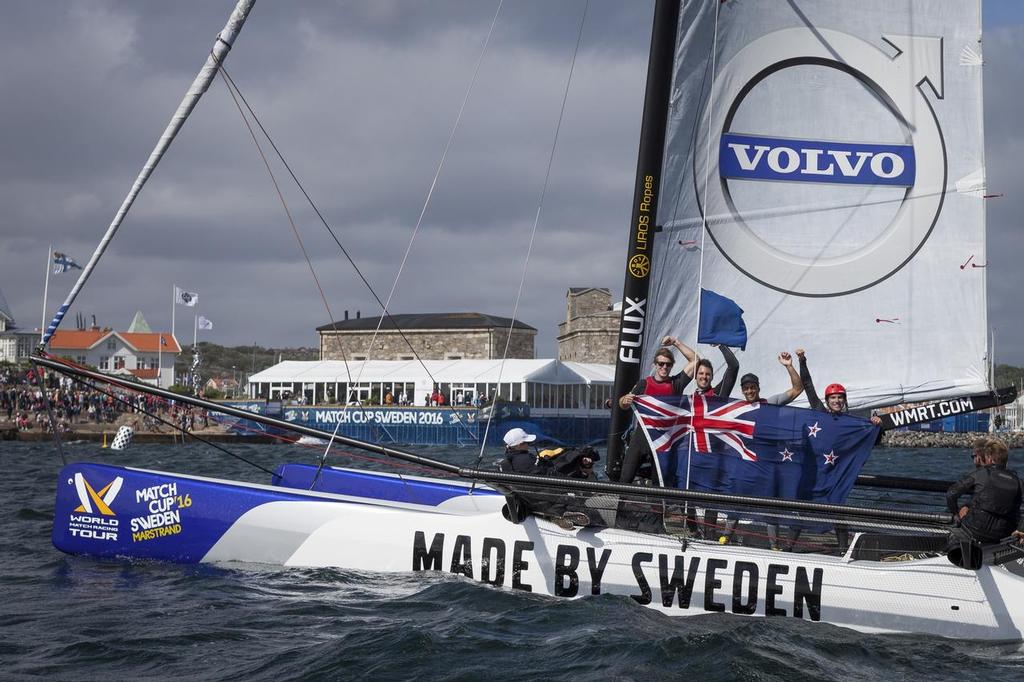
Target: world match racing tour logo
{"points": [[95, 518], [913, 167]]}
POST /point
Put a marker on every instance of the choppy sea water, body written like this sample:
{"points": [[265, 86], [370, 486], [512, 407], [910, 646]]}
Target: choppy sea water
{"points": [[68, 618]]}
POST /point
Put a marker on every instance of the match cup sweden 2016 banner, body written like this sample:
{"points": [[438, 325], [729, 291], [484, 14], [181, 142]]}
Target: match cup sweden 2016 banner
{"points": [[732, 446]]}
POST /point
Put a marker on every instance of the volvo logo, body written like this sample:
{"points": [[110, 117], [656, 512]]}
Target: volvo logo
{"points": [[915, 166]]}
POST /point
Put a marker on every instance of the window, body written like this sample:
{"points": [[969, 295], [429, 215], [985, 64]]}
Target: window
{"points": [[80, 359], [104, 362], [111, 344], [118, 362]]}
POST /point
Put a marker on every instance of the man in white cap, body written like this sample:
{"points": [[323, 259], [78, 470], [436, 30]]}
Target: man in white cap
{"points": [[519, 459]]}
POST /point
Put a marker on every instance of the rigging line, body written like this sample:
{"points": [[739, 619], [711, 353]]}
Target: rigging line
{"points": [[533, 232], [334, 236], [96, 388], [707, 173], [49, 415], [284, 204], [433, 183]]}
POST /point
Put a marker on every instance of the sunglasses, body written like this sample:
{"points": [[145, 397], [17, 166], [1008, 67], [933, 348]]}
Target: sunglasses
{"points": [[664, 364]]}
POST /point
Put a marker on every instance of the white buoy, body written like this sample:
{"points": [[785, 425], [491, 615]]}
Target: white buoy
{"points": [[123, 438]]}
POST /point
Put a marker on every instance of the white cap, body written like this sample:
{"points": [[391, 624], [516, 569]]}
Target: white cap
{"points": [[516, 436]]}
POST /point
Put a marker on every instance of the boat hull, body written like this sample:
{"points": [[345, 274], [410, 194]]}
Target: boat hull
{"points": [[403, 524]]}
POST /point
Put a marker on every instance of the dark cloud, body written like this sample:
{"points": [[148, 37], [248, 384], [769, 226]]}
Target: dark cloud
{"points": [[361, 97]]}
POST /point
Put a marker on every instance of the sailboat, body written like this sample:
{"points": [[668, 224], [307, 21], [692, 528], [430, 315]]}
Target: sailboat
{"points": [[509, 530]]}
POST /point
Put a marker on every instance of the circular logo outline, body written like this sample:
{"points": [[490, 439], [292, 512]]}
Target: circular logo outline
{"points": [[798, 46], [639, 266]]}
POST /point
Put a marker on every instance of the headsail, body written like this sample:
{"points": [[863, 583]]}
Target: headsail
{"points": [[824, 168]]}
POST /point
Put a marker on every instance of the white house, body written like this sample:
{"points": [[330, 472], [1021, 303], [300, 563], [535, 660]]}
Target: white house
{"points": [[148, 356], [15, 345]]}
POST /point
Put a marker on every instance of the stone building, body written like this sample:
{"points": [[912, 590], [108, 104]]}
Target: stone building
{"points": [[591, 328], [435, 336]]}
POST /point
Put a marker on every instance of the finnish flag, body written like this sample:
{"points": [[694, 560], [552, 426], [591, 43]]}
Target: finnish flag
{"points": [[63, 262]]}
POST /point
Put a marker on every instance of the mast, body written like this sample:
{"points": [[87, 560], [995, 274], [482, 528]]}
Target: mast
{"points": [[202, 81], [632, 323]]}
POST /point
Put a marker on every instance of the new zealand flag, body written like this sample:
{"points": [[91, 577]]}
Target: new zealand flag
{"points": [[732, 446]]}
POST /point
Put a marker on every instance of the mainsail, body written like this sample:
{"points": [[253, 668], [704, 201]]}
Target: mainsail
{"points": [[824, 169]]}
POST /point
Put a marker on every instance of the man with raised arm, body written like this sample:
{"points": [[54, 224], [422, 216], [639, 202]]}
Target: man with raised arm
{"points": [[661, 382], [750, 385]]}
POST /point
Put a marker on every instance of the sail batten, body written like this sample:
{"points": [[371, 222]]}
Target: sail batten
{"points": [[822, 168]]}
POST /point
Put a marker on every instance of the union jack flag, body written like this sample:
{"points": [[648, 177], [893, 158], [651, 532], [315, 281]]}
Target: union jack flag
{"points": [[668, 424]]}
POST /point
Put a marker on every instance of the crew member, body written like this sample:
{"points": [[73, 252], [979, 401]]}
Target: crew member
{"points": [[993, 512], [835, 394], [750, 385], [706, 374], [660, 383], [519, 458]]}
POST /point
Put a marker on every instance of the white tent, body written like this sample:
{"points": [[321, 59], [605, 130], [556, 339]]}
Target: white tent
{"points": [[537, 382]]}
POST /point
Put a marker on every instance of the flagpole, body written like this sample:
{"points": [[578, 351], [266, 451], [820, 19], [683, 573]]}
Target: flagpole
{"points": [[159, 357], [174, 288], [46, 291]]}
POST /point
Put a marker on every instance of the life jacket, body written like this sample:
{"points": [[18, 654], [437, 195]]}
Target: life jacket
{"points": [[655, 387], [995, 505]]}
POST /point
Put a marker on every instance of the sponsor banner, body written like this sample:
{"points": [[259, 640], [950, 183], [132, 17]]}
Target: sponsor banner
{"points": [[319, 417]]}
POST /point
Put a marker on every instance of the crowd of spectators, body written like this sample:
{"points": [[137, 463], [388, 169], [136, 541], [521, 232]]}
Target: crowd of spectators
{"points": [[22, 402]]}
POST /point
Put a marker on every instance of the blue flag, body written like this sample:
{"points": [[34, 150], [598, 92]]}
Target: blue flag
{"points": [[732, 446], [721, 321]]}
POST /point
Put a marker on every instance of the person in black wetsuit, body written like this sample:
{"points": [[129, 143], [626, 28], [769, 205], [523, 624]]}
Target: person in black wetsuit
{"points": [[993, 512], [835, 404], [661, 382], [835, 394], [519, 458]]}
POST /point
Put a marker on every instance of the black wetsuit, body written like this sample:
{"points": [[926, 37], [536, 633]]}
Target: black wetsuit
{"points": [[520, 462], [994, 510]]}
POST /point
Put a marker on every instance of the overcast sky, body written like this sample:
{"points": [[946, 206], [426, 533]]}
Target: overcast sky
{"points": [[361, 97]]}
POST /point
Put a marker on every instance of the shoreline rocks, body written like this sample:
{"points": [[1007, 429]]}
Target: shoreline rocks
{"points": [[926, 439]]}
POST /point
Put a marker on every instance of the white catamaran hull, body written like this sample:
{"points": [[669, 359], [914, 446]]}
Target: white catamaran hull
{"points": [[418, 524]]}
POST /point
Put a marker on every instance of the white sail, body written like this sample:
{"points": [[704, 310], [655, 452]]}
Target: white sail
{"points": [[841, 202]]}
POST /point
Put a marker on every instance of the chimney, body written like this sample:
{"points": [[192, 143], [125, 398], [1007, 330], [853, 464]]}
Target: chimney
{"points": [[346, 316], [95, 327], [357, 314]]}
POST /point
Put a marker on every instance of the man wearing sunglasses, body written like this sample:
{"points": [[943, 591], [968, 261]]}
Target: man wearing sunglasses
{"points": [[661, 382]]}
